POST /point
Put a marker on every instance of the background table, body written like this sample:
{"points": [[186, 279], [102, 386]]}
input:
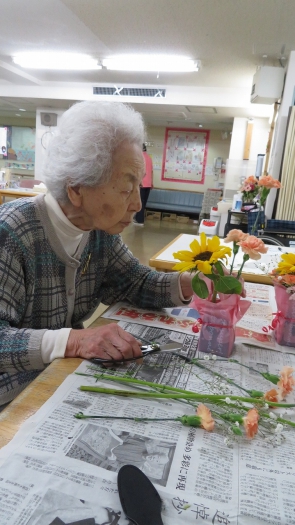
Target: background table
{"points": [[164, 260], [16, 194]]}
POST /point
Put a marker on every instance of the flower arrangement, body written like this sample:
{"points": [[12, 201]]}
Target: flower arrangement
{"points": [[234, 415], [283, 277], [254, 189], [249, 189], [265, 184], [217, 291]]}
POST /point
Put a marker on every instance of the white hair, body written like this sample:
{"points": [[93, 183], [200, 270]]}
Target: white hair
{"points": [[81, 151]]}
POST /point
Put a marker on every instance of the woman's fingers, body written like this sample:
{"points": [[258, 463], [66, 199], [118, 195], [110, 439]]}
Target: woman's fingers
{"points": [[105, 342]]}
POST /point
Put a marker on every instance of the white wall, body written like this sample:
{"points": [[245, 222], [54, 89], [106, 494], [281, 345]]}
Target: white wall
{"points": [[236, 166]]}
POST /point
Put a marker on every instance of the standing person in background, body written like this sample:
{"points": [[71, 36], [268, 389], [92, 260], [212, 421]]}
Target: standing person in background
{"points": [[147, 184]]}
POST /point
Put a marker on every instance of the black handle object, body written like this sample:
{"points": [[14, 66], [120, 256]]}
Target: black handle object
{"points": [[139, 499]]}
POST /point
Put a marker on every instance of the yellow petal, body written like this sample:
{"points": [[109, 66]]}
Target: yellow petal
{"points": [[204, 266], [183, 255], [214, 244], [184, 266], [203, 242], [195, 247]]}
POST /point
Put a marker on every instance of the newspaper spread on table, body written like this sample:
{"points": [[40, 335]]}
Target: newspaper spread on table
{"points": [[62, 470], [251, 329]]}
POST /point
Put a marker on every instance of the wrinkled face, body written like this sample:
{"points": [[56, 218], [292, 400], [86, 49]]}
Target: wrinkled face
{"points": [[111, 207]]}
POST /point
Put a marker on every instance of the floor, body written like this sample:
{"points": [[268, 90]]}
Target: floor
{"points": [[145, 241]]}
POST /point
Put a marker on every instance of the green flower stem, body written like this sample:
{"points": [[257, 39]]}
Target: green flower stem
{"points": [[189, 421], [80, 415], [245, 259], [235, 251], [184, 395], [280, 420], [270, 377], [156, 386], [230, 381]]}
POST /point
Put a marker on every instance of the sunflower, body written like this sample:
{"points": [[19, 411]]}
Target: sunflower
{"points": [[286, 265], [202, 255]]}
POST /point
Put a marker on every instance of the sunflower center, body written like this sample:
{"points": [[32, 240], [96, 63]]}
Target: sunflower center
{"points": [[204, 256]]}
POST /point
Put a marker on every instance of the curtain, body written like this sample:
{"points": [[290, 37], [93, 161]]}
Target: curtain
{"points": [[285, 206]]}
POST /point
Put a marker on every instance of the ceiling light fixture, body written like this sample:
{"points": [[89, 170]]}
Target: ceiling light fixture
{"points": [[156, 63], [69, 61]]}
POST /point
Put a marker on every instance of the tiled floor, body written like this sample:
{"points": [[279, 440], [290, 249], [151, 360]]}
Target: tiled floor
{"points": [[146, 241]]}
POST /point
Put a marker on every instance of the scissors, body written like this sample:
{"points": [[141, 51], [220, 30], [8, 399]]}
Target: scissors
{"points": [[146, 350]]}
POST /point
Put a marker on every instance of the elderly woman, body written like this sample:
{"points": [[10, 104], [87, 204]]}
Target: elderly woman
{"points": [[62, 254]]}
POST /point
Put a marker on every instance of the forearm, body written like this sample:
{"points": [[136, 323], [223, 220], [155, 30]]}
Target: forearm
{"points": [[185, 280]]}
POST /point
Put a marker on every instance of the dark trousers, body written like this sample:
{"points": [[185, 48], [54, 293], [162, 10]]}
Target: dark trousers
{"points": [[144, 195]]}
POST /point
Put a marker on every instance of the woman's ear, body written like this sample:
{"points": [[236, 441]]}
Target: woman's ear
{"points": [[75, 195]]}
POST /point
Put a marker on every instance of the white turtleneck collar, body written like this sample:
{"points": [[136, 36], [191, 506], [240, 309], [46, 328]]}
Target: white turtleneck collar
{"points": [[69, 235]]}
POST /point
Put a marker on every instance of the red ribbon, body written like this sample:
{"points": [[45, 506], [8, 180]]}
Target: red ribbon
{"points": [[278, 315], [196, 326]]}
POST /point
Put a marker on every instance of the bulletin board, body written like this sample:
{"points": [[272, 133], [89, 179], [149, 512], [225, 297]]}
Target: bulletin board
{"points": [[185, 155]]}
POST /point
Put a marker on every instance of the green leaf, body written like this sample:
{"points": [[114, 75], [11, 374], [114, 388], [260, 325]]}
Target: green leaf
{"points": [[200, 287], [228, 284], [219, 267], [212, 276]]}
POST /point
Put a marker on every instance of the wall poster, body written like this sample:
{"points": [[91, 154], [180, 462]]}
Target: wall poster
{"points": [[185, 155]]}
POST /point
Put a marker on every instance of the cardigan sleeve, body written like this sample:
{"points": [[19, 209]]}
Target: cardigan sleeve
{"points": [[20, 348], [127, 279]]}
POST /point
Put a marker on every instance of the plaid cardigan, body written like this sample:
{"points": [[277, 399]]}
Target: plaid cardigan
{"points": [[42, 287]]}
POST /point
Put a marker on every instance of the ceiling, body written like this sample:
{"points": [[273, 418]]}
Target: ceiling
{"points": [[230, 38]]}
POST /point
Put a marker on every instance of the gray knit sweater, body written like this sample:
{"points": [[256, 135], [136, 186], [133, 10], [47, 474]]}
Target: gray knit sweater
{"points": [[42, 287]]}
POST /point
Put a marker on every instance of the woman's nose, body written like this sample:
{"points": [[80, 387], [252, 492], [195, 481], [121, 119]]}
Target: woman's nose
{"points": [[136, 201]]}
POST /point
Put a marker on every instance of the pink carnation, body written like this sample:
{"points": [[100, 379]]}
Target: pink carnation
{"points": [[253, 247], [236, 236]]}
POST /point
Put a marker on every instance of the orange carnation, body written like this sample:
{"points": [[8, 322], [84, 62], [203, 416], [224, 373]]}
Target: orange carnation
{"points": [[251, 423], [272, 395], [269, 182], [235, 236], [253, 247], [207, 422], [287, 381]]}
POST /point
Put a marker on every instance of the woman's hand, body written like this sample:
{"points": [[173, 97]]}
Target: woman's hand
{"points": [[104, 342]]}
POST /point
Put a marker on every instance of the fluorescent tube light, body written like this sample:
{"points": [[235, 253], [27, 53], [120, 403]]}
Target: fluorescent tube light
{"points": [[157, 63], [69, 61]]}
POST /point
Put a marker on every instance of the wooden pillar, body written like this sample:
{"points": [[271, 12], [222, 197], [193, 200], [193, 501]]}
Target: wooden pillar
{"points": [[248, 141]]}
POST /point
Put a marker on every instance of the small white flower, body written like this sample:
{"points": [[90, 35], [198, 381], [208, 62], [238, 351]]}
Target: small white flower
{"points": [[206, 357], [272, 415], [214, 357], [279, 428], [280, 278], [266, 406], [237, 424], [227, 400]]}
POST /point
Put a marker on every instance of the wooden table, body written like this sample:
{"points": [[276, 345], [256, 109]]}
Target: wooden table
{"points": [[16, 194], [37, 392], [164, 261]]}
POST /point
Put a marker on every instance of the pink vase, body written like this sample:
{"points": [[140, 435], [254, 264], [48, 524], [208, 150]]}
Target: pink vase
{"points": [[284, 321], [217, 335]]}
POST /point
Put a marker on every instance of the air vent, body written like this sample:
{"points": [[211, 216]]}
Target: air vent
{"points": [[129, 92]]}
